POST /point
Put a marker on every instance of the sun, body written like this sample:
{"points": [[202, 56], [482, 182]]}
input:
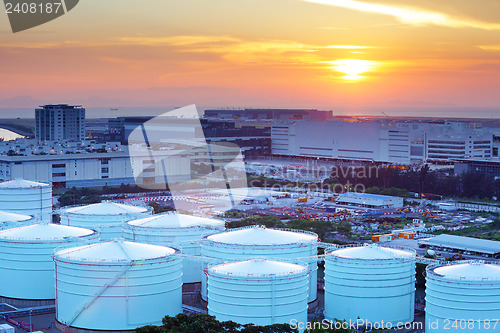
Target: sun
{"points": [[353, 68]]}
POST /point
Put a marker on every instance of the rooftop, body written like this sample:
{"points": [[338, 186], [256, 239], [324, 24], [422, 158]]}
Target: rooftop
{"points": [[464, 243], [470, 271], [115, 251], [258, 267], [263, 236], [106, 208], [21, 183], [13, 217], [364, 195], [176, 220], [371, 252], [44, 232]]}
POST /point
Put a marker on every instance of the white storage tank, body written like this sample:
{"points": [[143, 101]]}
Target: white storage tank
{"points": [[260, 242], [26, 267], [107, 217], [177, 230], [12, 220], [463, 297], [117, 285], [258, 291], [26, 197], [371, 283]]}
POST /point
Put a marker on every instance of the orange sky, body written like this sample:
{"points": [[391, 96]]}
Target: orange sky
{"points": [[281, 53]]}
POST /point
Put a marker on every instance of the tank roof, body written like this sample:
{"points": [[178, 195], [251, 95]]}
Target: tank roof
{"points": [[21, 183], [258, 267], [13, 217], [175, 220], [263, 236], [371, 252], [44, 231], [106, 208], [115, 251], [473, 271]]}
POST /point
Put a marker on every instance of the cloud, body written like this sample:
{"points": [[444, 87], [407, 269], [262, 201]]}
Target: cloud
{"points": [[410, 16], [490, 47]]}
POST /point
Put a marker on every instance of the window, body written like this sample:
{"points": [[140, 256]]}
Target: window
{"points": [[59, 174], [58, 165], [104, 170]]}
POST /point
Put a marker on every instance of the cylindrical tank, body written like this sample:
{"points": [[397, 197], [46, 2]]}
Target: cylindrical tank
{"points": [[117, 285], [260, 242], [177, 230], [12, 220], [26, 267], [370, 285], [26, 197], [463, 297], [107, 217], [258, 291]]}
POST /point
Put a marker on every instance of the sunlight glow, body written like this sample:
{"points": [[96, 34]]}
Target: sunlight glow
{"points": [[353, 68]]}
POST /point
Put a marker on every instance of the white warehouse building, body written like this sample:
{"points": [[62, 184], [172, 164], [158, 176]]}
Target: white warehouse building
{"points": [[84, 169], [384, 141], [367, 200]]}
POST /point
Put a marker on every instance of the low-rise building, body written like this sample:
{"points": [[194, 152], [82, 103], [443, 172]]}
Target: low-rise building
{"points": [[367, 200]]}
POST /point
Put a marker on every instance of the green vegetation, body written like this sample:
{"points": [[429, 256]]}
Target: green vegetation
{"points": [[203, 323], [484, 231]]}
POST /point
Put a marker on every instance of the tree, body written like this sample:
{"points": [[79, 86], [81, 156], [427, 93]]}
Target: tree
{"points": [[203, 323]]}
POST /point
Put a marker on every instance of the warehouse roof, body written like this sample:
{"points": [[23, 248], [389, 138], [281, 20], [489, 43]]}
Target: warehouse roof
{"points": [[464, 243]]}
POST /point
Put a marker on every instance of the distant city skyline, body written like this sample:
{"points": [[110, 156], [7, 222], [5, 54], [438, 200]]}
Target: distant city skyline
{"points": [[347, 55]]}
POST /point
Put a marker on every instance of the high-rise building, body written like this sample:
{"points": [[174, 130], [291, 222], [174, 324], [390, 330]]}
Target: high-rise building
{"points": [[60, 122]]}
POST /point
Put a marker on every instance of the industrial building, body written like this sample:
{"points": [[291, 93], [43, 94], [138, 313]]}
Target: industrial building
{"points": [[254, 141], [366, 200], [117, 285], [463, 244], [26, 197], [372, 283], [87, 169], [260, 242], [258, 291], [60, 122], [268, 114], [175, 230], [383, 141], [26, 267], [488, 167], [106, 217], [462, 297]]}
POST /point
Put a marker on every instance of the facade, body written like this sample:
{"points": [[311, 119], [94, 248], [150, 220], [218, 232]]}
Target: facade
{"points": [[269, 114], [253, 140], [463, 244], [60, 122], [382, 141], [85, 169], [367, 200], [489, 167]]}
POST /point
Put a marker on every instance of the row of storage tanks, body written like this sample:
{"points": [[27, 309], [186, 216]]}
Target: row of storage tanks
{"points": [[255, 274]]}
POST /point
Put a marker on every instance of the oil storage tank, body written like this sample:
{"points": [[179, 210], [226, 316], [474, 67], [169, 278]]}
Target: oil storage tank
{"points": [[258, 291], [12, 220], [26, 197], [26, 266], [107, 217], [463, 297], [260, 242], [370, 285], [178, 230], [117, 285]]}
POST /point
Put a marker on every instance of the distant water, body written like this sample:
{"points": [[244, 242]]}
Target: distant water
{"points": [[9, 135], [425, 111]]}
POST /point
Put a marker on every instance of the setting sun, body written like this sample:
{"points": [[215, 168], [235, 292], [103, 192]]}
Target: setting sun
{"points": [[353, 67]]}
